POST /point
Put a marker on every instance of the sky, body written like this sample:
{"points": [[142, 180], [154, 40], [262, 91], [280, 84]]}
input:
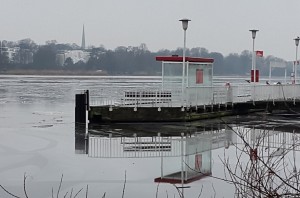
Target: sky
{"points": [[217, 25]]}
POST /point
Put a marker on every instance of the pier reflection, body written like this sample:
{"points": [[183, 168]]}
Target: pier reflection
{"points": [[184, 147], [173, 144], [148, 139], [81, 139]]}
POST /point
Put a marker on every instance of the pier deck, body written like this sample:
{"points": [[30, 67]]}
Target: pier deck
{"points": [[186, 96]]}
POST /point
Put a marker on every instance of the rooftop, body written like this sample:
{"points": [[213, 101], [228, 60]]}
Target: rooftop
{"points": [[187, 59]]}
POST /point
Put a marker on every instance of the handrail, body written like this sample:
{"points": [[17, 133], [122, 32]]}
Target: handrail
{"points": [[195, 96]]}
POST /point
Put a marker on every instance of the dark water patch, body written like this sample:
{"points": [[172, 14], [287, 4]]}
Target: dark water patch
{"points": [[44, 126]]}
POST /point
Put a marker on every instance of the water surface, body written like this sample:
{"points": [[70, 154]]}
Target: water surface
{"points": [[37, 133]]}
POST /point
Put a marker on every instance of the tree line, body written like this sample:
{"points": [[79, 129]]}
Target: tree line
{"points": [[131, 60]]}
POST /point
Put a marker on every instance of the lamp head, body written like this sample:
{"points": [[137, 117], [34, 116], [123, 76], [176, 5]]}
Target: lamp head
{"points": [[185, 23], [253, 33], [297, 40]]}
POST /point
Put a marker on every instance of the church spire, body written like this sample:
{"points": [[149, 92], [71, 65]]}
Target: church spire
{"points": [[83, 39]]}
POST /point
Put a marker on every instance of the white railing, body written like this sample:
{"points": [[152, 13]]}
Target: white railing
{"points": [[134, 147], [157, 146], [269, 138], [196, 96]]}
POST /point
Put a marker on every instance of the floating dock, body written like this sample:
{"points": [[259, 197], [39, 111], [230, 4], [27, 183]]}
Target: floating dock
{"points": [[186, 94]]}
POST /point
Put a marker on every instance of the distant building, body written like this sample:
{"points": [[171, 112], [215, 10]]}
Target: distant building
{"points": [[75, 55], [17, 55], [60, 58], [11, 53]]}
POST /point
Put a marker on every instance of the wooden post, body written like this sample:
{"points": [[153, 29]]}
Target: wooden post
{"points": [[80, 107]]}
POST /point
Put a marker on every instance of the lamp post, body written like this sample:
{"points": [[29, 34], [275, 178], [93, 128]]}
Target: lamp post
{"points": [[295, 64], [253, 31], [184, 26]]}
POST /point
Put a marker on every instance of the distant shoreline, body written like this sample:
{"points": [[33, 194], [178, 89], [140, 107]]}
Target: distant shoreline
{"points": [[53, 72]]}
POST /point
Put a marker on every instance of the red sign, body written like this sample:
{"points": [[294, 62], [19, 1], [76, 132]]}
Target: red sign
{"points": [[199, 76], [260, 53], [198, 162], [256, 76]]}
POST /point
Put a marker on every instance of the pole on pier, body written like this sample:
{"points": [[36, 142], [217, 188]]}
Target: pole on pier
{"points": [[182, 166], [81, 106], [183, 84], [296, 61]]}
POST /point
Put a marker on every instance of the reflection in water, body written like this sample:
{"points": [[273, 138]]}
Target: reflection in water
{"points": [[147, 140], [195, 161], [81, 139], [180, 147], [184, 150]]}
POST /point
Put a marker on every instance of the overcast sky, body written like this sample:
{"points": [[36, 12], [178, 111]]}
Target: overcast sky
{"points": [[218, 25]]}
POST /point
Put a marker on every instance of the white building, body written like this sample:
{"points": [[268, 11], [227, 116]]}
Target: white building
{"points": [[75, 55], [17, 55]]}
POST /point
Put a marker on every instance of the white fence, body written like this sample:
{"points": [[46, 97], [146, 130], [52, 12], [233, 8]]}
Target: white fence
{"points": [[196, 96], [150, 147], [157, 146], [134, 147]]}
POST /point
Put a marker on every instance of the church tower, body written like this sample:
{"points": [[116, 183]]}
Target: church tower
{"points": [[83, 39]]}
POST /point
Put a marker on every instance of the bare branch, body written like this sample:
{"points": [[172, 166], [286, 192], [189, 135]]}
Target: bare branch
{"points": [[78, 192], [200, 192], [261, 175], [157, 190], [179, 192], [24, 186], [123, 192], [87, 189], [60, 183], [9, 192], [71, 193], [66, 194], [213, 189]]}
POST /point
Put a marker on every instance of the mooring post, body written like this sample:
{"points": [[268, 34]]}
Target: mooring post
{"points": [[81, 134], [87, 99], [81, 105]]}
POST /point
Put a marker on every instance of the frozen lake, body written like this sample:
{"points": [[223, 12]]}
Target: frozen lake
{"points": [[37, 133]]}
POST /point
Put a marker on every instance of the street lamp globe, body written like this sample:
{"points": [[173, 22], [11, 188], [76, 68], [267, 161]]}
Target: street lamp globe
{"points": [[297, 41], [296, 60], [185, 23], [253, 33]]}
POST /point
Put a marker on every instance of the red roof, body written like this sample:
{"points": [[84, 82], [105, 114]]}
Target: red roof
{"points": [[187, 59]]}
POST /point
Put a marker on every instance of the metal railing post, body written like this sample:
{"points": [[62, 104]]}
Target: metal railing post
{"points": [[182, 168]]}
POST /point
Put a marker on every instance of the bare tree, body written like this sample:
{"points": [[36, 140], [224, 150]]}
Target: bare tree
{"points": [[261, 170]]}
